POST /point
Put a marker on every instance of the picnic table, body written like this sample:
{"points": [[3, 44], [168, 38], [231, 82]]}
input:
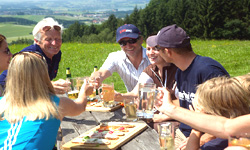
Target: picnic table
{"points": [[71, 127]]}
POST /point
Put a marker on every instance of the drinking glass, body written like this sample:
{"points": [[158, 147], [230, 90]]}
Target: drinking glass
{"points": [[130, 109], [93, 95], [241, 140], [107, 94], [166, 136], [147, 95], [76, 84]]}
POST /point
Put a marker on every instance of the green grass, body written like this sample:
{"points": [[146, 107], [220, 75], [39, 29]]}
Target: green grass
{"points": [[13, 32], [81, 58], [28, 17], [233, 55]]}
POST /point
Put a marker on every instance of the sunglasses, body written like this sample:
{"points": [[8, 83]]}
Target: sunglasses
{"points": [[47, 28], [130, 41], [7, 52], [36, 53]]}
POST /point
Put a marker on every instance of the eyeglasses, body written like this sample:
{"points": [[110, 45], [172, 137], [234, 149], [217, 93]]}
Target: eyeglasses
{"points": [[130, 41], [36, 53], [47, 28], [7, 51]]}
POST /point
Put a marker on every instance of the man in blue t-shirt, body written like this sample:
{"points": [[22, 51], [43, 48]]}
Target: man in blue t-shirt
{"points": [[47, 41], [175, 47]]}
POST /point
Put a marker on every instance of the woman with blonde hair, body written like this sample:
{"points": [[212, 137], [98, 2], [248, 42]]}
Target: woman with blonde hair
{"points": [[245, 82], [5, 57], [30, 112]]}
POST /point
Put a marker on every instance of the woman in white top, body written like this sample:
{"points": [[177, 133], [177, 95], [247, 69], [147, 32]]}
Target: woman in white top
{"points": [[159, 72]]}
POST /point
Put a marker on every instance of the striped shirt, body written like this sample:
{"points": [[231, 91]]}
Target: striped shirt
{"points": [[119, 62]]}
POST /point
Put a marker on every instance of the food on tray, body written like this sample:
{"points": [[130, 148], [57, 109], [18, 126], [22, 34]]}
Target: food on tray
{"points": [[116, 126], [104, 134], [97, 104], [94, 104], [88, 140], [111, 135]]}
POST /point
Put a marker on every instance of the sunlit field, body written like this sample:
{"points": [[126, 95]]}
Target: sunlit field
{"points": [[81, 58]]}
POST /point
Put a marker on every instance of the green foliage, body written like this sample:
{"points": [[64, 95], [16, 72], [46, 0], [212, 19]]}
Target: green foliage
{"points": [[22, 41], [234, 29], [19, 21], [111, 24], [203, 19]]}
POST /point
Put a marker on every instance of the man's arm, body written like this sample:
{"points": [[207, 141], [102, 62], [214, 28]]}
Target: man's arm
{"points": [[100, 75], [61, 86], [215, 125], [193, 142]]}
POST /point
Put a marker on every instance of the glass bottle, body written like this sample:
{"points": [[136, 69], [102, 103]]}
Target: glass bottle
{"points": [[69, 78], [95, 69]]}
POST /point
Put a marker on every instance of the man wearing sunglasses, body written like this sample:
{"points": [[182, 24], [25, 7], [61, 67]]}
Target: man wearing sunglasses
{"points": [[129, 62], [47, 41]]}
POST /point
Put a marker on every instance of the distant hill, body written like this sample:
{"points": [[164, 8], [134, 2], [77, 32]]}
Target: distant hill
{"points": [[17, 18], [75, 5]]}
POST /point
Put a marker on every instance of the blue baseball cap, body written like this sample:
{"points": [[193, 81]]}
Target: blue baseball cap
{"points": [[127, 30]]}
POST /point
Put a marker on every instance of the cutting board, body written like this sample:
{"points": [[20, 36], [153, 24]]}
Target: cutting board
{"points": [[103, 109], [139, 127]]}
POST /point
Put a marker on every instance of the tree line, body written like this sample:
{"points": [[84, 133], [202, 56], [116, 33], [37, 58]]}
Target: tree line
{"points": [[204, 19]]}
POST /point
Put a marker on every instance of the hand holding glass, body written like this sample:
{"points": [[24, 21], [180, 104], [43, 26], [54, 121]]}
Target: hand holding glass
{"points": [[76, 84], [107, 94]]}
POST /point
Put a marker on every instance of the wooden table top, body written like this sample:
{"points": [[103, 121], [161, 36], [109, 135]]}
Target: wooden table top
{"points": [[72, 127]]}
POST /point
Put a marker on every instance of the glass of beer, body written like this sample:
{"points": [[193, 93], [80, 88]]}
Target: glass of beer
{"points": [[166, 136], [76, 84], [107, 94], [147, 95], [130, 109], [240, 140]]}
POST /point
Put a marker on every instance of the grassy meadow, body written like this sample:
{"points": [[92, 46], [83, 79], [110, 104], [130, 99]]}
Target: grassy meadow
{"points": [[81, 58], [13, 32]]}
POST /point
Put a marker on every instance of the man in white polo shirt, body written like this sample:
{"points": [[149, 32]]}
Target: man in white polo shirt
{"points": [[128, 62]]}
